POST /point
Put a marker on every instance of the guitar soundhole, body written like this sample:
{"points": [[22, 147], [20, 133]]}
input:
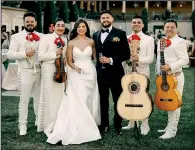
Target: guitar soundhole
{"points": [[165, 87], [134, 87]]}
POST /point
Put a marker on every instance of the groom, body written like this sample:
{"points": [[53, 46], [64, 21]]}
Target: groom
{"points": [[112, 44]]}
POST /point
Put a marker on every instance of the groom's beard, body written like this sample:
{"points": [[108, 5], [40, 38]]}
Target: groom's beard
{"points": [[106, 24]]}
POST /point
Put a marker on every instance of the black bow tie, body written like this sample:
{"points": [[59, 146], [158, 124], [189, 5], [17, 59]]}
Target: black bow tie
{"points": [[103, 31]]}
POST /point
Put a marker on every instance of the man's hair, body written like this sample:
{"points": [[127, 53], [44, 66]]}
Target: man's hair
{"points": [[31, 14], [3, 27], [57, 19], [66, 31], [170, 20], [137, 17], [106, 12]]}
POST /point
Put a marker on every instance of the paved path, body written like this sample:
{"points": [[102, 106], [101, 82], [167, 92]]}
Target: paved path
{"points": [[10, 93]]}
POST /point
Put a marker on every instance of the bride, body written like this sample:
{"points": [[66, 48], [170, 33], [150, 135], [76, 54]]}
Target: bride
{"points": [[79, 112]]}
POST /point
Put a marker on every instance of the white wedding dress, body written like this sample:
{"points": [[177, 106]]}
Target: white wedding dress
{"points": [[79, 112]]}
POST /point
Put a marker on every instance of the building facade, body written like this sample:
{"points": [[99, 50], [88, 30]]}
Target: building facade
{"points": [[180, 10], [123, 11], [12, 18]]}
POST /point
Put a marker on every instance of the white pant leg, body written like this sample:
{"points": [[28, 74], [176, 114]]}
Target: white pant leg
{"points": [[26, 81], [50, 99], [36, 93], [145, 127], [173, 116]]}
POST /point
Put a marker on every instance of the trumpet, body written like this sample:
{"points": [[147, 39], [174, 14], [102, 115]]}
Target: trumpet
{"points": [[32, 60]]}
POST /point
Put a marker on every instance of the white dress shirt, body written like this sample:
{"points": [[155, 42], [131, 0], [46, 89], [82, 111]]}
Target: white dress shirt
{"points": [[47, 48], [146, 53], [18, 46], [103, 37], [105, 34]]}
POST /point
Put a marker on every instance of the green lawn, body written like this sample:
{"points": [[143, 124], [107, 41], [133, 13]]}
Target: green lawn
{"points": [[185, 138]]}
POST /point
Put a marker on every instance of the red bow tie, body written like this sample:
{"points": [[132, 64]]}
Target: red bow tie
{"points": [[134, 37], [32, 36], [168, 42], [59, 40]]}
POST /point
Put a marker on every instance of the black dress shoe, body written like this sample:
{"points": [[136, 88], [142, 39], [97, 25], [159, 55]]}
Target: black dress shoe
{"points": [[106, 129], [99, 127], [118, 131]]}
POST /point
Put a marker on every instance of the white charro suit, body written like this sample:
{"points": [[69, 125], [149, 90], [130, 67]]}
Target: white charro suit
{"points": [[176, 57], [146, 56], [51, 92], [29, 82]]}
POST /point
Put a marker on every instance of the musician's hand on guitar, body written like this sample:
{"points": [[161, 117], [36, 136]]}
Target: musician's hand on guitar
{"points": [[165, 67], [104, 60], [30, 52], [59, 51]]}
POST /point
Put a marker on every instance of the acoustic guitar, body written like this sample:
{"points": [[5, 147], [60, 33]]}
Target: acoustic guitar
{"points": [[134, 102], [167, 96]]}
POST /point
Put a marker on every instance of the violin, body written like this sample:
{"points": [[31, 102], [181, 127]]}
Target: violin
{"points": [[60, 74]]}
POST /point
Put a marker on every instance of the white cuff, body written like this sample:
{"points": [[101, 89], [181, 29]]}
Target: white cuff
{"points": [[111, 61]]}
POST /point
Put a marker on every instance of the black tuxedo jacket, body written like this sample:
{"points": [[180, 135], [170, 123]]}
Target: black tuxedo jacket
{"points": [[118, 50]]}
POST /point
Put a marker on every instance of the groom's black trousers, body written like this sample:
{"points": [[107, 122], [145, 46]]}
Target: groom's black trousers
{"points": [[110, 78]]}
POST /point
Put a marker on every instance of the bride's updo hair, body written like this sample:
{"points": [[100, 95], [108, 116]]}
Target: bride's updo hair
{"points": [[74, 33]]}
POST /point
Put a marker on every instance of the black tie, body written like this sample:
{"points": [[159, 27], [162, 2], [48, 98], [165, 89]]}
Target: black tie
{"points": [[103, 31]]}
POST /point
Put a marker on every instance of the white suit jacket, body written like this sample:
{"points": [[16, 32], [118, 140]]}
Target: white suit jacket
{"points": [[47, 48], [17, 48], [175, 55], [146, 53]]}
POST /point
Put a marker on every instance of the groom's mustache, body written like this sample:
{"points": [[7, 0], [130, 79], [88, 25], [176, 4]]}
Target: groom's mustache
{"points": [[106, 22]]}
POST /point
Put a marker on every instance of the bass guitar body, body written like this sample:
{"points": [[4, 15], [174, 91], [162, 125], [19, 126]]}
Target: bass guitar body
{"points": [[167, 96], [134, 102]]}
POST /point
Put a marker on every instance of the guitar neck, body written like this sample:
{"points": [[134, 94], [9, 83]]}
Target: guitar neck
{"points": [[162, 61], [134, 47], [134, 66]]}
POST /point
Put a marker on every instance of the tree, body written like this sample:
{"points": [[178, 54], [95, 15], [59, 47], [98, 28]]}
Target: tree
{"points": [[38, 12], [74, 11], [167, 14], [193, 22], [29, 5], [11, 3], [50, 14], [145, 19], [64, 11]]}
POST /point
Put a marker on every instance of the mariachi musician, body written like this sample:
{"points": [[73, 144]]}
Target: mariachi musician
{"points": [[176, 57], [144, 57], [23, 47], [51, 91]]}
